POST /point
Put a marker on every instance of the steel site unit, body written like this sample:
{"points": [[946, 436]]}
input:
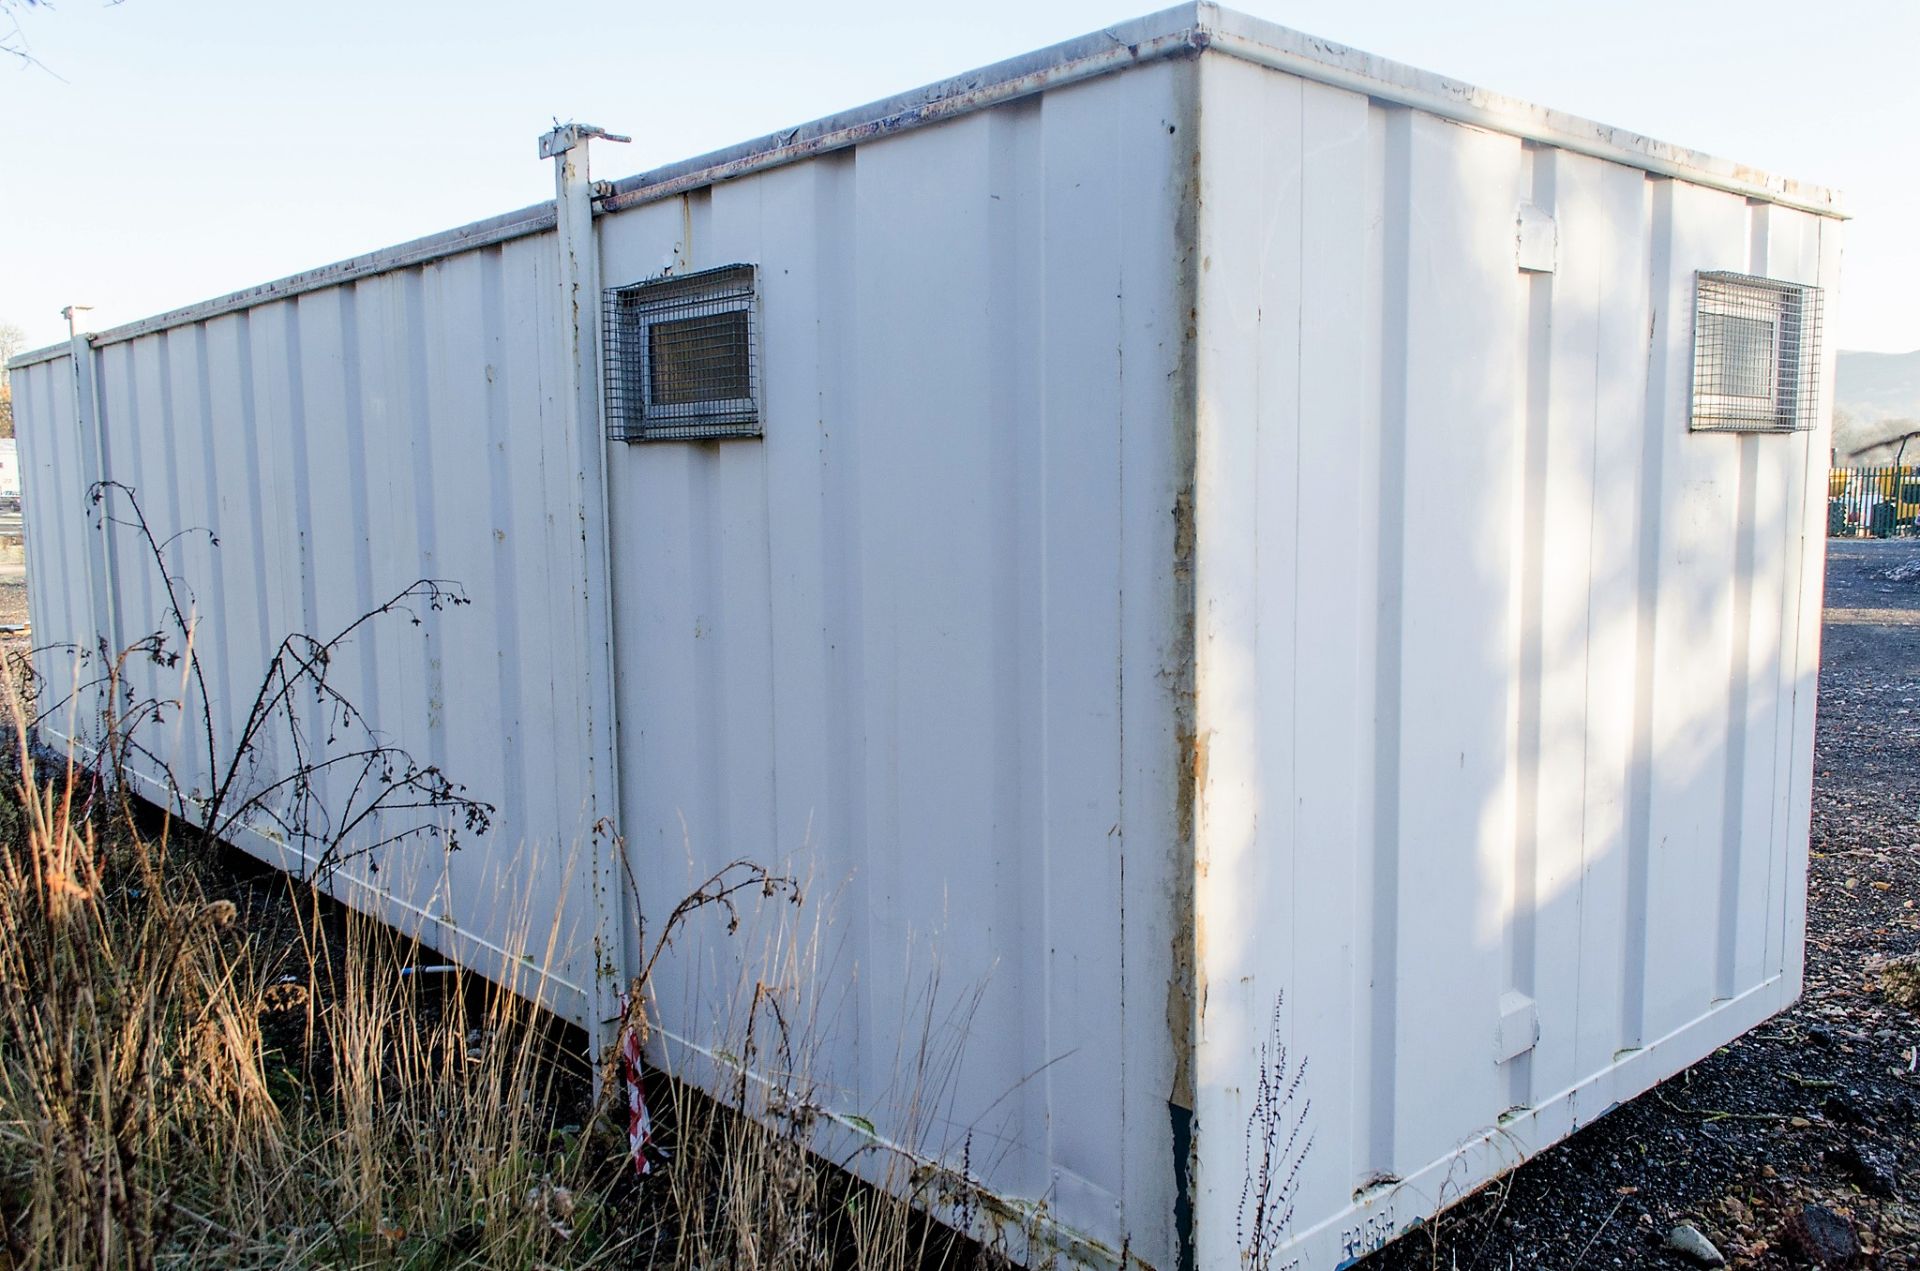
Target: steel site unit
{"points": [[1273, 597]]}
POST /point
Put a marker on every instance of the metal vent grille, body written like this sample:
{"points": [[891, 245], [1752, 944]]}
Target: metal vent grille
{"points": [[681, 357], [1756, 354]]}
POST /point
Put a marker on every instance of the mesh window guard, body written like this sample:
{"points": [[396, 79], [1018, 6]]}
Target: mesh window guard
{"points": [[681, 357], [1756, 354]]}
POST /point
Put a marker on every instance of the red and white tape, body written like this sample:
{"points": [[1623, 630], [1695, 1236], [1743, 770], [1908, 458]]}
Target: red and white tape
{"points": [[639, 1124]]}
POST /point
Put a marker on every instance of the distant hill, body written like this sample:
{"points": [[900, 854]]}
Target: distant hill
{"points": [[1876, 397]]}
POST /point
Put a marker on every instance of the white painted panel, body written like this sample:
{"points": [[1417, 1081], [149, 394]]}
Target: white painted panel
{"points": [[194, 555], [334, 444], [1556, 533], [1338, 566], [62, 549], [1578, 624], [1792, 788], [1801, 667], [920, 643], [1284, 515], [246, 634], [1696, 593], [1623, 200], [124, 458], [1460, 450]]}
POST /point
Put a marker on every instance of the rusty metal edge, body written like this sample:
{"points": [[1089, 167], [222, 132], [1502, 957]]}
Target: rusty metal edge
{"points": [[1184, 30], [1191, 29], [536, 219], [1283, 49], [1169, 33]]}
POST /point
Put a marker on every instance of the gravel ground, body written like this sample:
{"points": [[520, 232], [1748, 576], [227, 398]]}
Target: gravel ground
{"points": [[13, 601], [13, 609], [1792, 1146], [13, 595]]}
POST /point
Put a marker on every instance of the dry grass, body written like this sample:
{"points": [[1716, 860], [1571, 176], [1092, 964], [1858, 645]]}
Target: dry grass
{"points": [[179, 1088]]}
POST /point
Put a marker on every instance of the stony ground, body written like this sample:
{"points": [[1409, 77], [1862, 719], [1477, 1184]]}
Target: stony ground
{"points": [[1796, 1145], [13, 597]]}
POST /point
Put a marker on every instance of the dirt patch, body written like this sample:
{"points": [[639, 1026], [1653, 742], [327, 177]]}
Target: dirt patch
{"points": [[1804, 1133], [13, 604]]}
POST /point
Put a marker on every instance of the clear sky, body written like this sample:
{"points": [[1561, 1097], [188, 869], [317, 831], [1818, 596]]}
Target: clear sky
{"points": [[178, 149]]}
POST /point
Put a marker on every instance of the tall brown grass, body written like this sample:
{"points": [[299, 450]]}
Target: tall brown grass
{"points": [[194, 1073]]}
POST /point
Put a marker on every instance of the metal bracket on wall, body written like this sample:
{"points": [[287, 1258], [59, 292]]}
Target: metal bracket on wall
{"points": [[565, 137], [1536, 239]]}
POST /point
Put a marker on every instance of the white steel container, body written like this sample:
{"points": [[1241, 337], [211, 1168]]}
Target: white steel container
{"points": [[1280, 715]]}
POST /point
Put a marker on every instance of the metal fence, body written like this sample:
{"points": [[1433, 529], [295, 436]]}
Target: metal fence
{"points": [[1879, 502]]}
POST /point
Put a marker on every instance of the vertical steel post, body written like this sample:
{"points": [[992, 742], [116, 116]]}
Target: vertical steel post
{"points": [[578, 313], [102, 577]]}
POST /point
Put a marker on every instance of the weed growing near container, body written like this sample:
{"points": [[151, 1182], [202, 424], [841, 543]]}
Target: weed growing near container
{"points": [[302, 762], [194, 1073], [196, 1069]]}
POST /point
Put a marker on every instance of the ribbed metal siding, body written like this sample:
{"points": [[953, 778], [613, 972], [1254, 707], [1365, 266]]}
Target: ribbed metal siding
{"points": [[922, 644], [53, 480], [339, 446], [1514, 724], [923, 640]]}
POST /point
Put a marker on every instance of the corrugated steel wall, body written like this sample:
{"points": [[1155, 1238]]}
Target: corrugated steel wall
{"points": [[55, 471], [922, 645], [924, 641], [1506, 680], [339, 446]]}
